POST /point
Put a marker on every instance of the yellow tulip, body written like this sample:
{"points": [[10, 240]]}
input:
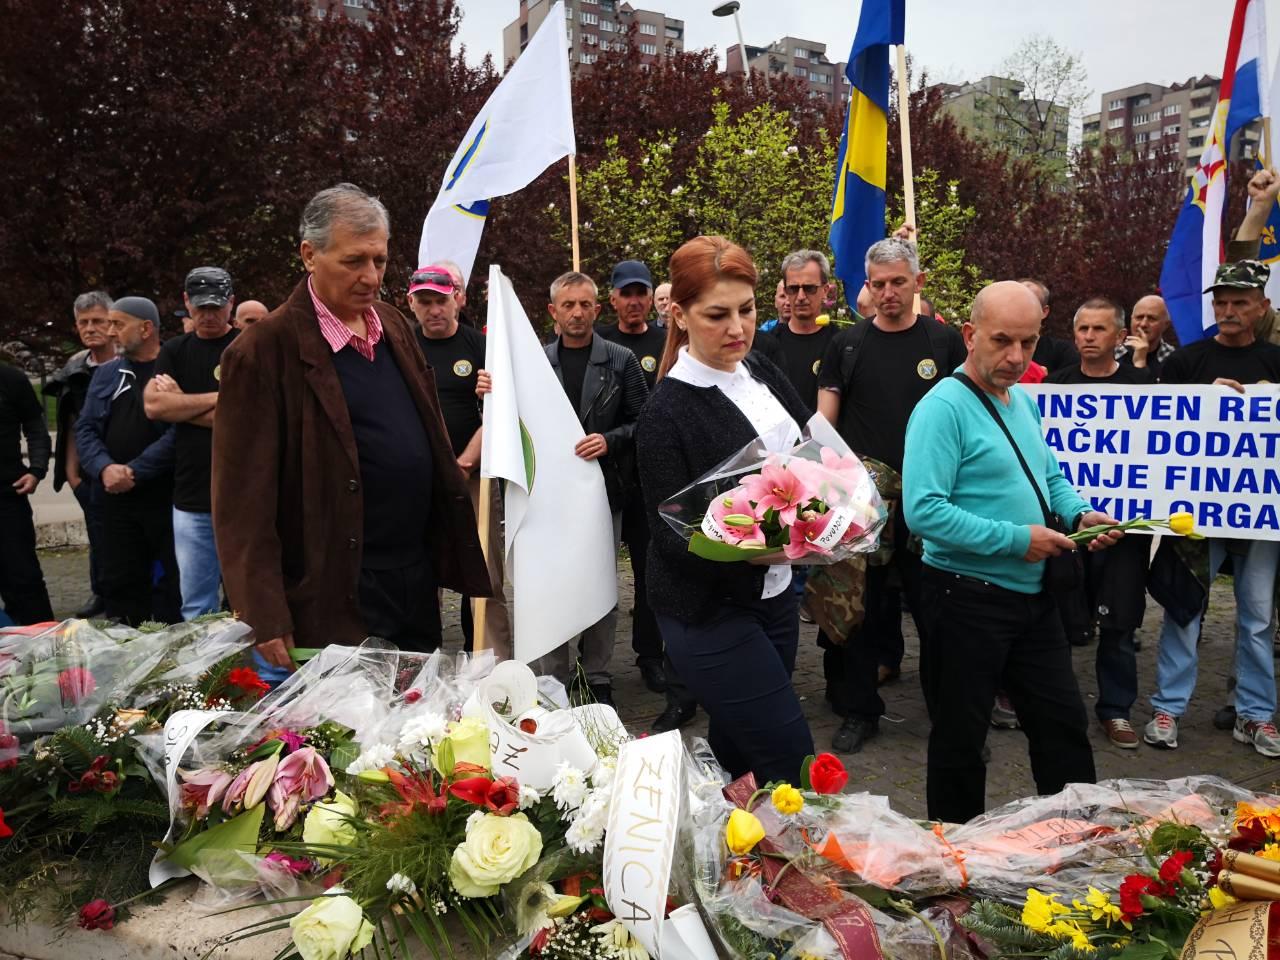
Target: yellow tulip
{"points": [[1183, 524], [822, 319], [743, 832], [1219, 899], [787, 799]]}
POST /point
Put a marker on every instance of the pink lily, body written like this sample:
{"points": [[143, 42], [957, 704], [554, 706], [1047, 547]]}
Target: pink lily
{"points": [[735, 518], [305, 773], [286, 806], [775, 487], [202, 789], [285, 862], [250, 785], [807, 528]]}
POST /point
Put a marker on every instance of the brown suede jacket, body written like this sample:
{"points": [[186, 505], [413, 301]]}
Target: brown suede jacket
{"points": [[287, 503]]}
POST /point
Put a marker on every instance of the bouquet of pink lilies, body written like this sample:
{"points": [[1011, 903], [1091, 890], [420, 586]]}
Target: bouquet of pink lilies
{"points": [[813, 503]]}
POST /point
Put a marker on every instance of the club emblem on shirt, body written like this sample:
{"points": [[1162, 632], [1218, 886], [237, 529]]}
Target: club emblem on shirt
{"points": [[648, 364], [816, 365], [462, 368], [926, 369], [217, 373]]}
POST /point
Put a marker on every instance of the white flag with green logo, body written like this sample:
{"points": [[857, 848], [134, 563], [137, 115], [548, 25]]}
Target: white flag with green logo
{"points": [[560, 554]]}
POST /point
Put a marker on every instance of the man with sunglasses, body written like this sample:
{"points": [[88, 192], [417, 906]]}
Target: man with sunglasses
{"points": [[456, 355], [802, 343]]}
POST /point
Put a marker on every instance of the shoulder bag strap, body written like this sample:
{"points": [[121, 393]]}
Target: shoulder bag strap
{"points": [[991, 409]]}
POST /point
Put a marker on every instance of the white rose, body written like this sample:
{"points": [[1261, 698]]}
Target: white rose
{"points": [[332, 928]]}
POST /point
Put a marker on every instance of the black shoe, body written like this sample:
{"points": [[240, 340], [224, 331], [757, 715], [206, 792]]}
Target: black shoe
{"points": [[651, 674], [601, 693], [674, 717], [94, 608], [853, 733], [1225, 718]]}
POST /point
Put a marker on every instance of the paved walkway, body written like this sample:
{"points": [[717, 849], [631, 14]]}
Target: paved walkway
{"points": [[893, 764]]}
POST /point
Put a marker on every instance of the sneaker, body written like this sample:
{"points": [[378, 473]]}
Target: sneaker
{"points": [[805, 615], [1162, 731], [1120, 733], [1261, 733], [1003, 716], [853, 733]]}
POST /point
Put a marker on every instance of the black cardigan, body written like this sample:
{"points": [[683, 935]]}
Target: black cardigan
{"points": [[683, 432]]}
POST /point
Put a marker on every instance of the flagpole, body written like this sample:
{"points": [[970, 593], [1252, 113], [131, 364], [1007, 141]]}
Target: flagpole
{"points": [[904, 127], [573, 209], [478, 638]]}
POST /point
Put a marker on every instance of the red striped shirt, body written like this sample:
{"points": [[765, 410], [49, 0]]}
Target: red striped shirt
{"points": [[338, 335]]}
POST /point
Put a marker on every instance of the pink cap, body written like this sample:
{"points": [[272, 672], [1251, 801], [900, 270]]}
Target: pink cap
{"points": [[435, 278]]}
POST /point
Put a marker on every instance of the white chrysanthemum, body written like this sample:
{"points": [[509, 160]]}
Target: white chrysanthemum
{"points": [[569, 786], [602, 776], [476, 817], [529, 797], [619, 942], [584, 834], [399, 883], [423, 731], [373, 758], [595, 809]]}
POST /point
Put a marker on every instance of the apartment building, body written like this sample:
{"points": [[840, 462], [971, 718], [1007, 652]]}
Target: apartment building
{"points": [[806, 60], [997, 109], [596, 26]]}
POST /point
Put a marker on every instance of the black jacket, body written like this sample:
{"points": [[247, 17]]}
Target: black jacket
{"points": [[613, 391], [70, 386], [683, 433]]}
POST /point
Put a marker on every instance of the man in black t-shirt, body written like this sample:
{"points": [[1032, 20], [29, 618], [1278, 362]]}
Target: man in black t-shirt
{"points": [[184, 392], [1052, 353], [806, 278], [630, 295], [1114, 590], [455, 354], [1232, 358], [873, 376]]}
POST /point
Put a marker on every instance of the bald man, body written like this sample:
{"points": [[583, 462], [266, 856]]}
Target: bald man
{"points": [[248, 313], [1146, 347], [987, 534]]}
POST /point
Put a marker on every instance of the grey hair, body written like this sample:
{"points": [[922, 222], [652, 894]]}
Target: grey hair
{"points": [[345, 203], [572, 279], [454, 269], [1041, 289], [892, 250], [1100, 303], [87, 301], [796, 259]]}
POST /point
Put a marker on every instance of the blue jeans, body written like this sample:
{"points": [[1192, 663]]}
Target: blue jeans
{"points": [[198, 570], [1254, 580]]}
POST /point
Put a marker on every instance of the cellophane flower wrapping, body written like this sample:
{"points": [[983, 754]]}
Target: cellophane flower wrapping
{"points": [[813, 502]]}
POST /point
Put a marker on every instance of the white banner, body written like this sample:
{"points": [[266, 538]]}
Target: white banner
{"points": [[180, 731], [1151, 451]]}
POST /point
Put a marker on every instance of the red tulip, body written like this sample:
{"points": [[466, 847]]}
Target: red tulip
{"points": [[5, 829], [97, 915], [503, 796], [827, 774]]}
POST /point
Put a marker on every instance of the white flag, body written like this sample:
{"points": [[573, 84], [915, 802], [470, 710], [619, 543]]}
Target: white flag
{"points": [[560, 554], [525, 126]]}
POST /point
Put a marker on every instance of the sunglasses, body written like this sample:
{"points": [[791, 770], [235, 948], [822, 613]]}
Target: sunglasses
{"points": [[433, 277], [809, 288]]}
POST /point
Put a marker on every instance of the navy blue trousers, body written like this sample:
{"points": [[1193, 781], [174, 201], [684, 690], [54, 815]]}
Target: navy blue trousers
{"points": [[738, 666]]}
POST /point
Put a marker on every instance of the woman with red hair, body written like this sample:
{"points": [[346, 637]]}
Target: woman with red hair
{"points": [[730, 629]]}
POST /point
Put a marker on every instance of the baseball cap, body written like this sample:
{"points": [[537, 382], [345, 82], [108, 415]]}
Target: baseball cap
{"points": [[630, 271], [208, 287], [435, 278], [1241, 275]]}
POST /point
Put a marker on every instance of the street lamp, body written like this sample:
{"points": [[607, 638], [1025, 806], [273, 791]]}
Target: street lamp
{"points": [[731, 9]]}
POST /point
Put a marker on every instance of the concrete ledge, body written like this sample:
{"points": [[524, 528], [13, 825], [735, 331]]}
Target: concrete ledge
{"points": [[61, 533]]}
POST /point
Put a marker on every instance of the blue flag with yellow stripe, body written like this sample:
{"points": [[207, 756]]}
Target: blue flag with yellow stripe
{"points": [[857, 200]]}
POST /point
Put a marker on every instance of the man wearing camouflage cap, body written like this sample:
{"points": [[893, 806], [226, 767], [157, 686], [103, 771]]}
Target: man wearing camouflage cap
{"points": [[1231, 358]]}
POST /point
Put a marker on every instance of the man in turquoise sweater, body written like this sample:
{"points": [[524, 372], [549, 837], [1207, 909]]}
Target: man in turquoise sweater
{"points": [[993, 625]]}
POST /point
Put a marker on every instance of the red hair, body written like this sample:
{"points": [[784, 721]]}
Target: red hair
{"points": [[694, 269]]}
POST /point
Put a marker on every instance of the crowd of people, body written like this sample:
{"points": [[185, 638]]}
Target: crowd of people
{"points": [[315, 468]]}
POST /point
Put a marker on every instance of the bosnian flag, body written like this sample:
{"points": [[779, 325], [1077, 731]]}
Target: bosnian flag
{"points": [[1196, 247]]}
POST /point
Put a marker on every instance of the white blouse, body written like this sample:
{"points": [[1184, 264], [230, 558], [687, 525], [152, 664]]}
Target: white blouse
{"points": [[767, 415]]}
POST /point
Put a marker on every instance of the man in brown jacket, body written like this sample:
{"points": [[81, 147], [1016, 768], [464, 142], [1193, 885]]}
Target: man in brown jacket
{"points": [[338, 506]]}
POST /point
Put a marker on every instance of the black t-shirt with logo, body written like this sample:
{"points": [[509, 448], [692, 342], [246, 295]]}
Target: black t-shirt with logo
{"points": [[647, 347], [1206, 360], [194, 363], [802, 355], [892, 372], [455, 361], [1126, 374]]}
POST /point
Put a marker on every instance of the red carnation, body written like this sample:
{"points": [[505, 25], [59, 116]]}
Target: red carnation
{"points": [[1171, 869], [5, 829], [75, 684], [503, 796], [1131, 891], [8, 750], [529, 725], [827, 774], [97, 915], [247, 679]]}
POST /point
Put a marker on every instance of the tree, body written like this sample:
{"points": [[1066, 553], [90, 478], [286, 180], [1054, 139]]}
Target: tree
{"points": [[1054, 85]]}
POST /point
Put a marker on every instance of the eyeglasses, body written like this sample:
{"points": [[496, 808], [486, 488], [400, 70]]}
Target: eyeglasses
{"points": [[809, 288], [431, 276]]}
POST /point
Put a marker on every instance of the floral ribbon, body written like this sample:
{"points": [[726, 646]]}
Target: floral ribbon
{"points": [[955, 854], [845, 916], [1250, 929]]}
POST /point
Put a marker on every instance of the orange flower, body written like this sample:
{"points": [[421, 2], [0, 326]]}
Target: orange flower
{"points": [[1250, 817]]}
